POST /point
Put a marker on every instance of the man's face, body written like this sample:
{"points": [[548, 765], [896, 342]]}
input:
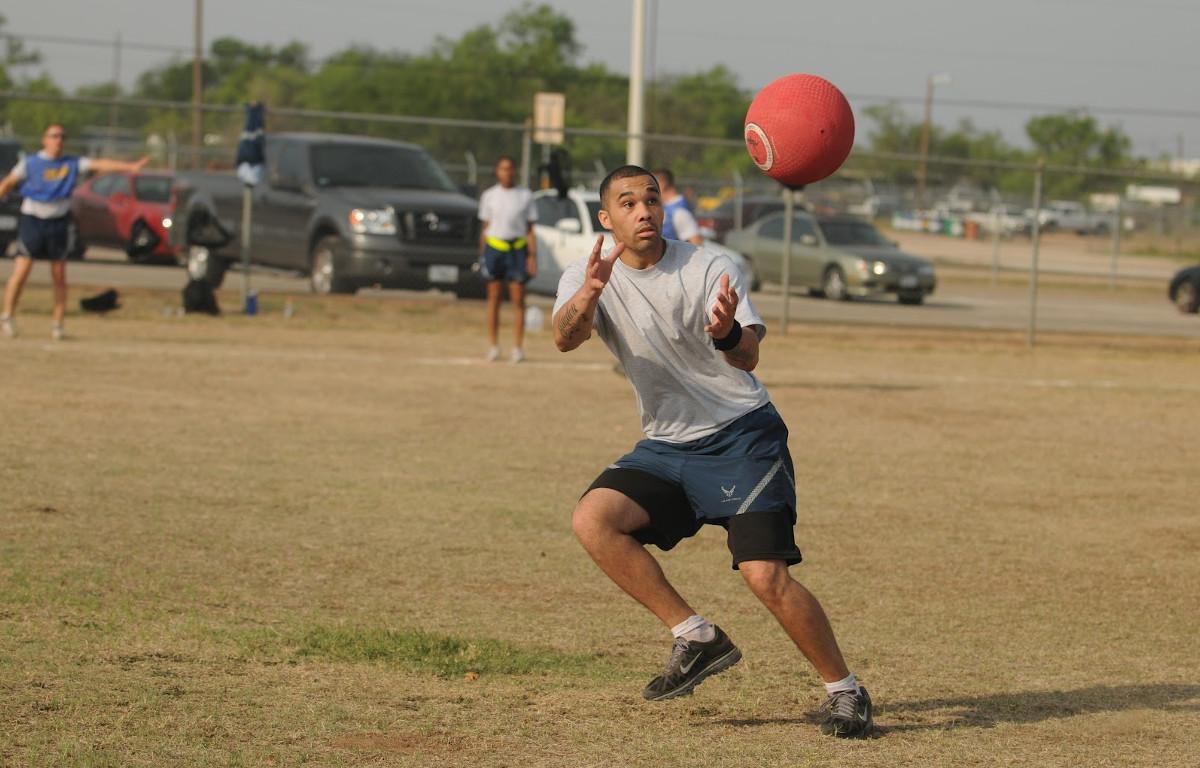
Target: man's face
{"points": [[506, 173], [53, 140], [632, 210]]}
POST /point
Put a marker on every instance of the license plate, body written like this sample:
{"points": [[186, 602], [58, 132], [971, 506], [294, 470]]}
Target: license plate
{"points": [[8, 222], [443, 273], [909, 281]]}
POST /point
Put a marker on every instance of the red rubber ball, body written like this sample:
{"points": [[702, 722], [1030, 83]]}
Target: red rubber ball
{"points": [[799, 129]]}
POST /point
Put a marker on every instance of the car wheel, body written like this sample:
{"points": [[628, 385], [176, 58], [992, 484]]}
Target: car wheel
{"points": [[833, 284], [912, 298], [323, 275], [204, 265], [1187, 297], [142, 242]]}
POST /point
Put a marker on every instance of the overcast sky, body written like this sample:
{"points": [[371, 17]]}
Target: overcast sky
{"points": [[1124, 55]]}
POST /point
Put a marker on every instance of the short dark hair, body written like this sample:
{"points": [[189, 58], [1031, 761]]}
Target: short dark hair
{"points": [[502, 158], [666, 175], [53, 125], [624, 172]]}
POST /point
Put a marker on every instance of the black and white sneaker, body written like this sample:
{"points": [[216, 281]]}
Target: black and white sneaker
{"points": [[691, 661], [848, 715]]}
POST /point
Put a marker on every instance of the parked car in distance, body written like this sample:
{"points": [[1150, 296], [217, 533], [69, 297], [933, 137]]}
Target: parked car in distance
{"points": [[1008, 220], [10, 206], [1184, 290], [348, 211], [130, 211], [716, 223], [1071, 216], [838, 256], [566, 231]]}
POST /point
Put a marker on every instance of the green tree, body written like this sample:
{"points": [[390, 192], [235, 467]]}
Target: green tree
{"points": [[1076, 140]]}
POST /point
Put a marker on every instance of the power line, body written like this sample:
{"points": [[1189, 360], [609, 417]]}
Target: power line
{"points": [[332, 62]]}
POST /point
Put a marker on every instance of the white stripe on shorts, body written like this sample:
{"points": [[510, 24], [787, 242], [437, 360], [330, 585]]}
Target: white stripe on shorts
{"points": [[762, 484]]}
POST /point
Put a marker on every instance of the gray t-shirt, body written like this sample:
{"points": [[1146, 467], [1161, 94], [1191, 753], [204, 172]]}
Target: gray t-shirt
{"points": [[653, 321]]}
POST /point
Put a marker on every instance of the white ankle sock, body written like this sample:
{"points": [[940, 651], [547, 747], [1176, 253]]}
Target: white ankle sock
{"points": [[848, 683], [695, 628]]}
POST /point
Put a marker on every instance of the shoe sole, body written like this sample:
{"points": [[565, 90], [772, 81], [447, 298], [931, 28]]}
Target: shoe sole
{"points": [[731, 657]]}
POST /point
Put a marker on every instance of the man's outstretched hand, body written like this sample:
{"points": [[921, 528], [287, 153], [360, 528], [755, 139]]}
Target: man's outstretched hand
{"points": [[599, 268], [723, 310]]}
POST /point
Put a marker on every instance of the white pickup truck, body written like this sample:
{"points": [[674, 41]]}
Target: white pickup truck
{"points": [[1070, 216]]}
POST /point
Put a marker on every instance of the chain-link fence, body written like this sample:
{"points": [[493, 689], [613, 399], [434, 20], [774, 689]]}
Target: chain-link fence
{"points": [[1110, 224]]}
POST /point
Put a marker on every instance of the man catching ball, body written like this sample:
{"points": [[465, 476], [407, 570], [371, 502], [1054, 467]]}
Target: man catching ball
{"points": [[679, 320]]}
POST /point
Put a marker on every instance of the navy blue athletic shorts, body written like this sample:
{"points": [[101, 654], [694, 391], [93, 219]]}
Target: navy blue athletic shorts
{"points": [[49, 239], [740, 478]]}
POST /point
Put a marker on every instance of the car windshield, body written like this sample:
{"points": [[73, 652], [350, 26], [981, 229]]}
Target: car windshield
{"points": [[850, 232], [152, 189], [366, 165]]}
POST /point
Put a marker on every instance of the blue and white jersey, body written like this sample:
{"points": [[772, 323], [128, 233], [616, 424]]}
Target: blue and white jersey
{"points": [[678, 221], [47, 183]]}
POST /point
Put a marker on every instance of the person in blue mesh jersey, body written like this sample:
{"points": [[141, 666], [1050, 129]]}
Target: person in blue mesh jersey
{"points": [[46, 231], [678, 221]]}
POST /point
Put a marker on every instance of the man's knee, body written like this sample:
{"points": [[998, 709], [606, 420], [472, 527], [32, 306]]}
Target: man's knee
{"points": [[605, 511], [769, 580]]}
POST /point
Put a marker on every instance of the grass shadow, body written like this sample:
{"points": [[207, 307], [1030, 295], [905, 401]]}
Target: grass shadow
{"points": [[942, 714]]}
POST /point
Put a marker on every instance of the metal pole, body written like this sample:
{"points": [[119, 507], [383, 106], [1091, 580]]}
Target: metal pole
{"points": [[112, 113], [923, 168], [995, 244], [635, 150], [526, 149], [197, 82], [1116, 246], [247, 206], [785, 269], [1037, 238], [739, 194], [472, 169]]}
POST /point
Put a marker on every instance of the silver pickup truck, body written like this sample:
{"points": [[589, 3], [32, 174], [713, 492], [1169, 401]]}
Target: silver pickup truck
{"points": [[348, 211]]}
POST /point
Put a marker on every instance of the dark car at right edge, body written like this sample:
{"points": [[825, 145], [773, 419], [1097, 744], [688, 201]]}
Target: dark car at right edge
{"points": [[1184, 290]]}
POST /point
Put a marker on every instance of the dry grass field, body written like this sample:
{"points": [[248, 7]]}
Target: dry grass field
{"points": [[342, 540]]}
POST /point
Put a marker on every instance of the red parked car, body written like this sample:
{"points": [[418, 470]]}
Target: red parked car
{"points": [[130, 211]]}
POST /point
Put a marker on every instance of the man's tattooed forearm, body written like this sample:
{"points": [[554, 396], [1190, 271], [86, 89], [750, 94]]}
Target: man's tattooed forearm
{"points": [[568, 324]]}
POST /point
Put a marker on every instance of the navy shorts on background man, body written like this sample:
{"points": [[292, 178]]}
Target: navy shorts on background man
{"points": [[46, 239]]}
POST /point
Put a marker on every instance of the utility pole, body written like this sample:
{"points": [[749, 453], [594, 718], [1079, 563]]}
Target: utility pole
{"points": [[116, 81], [197, 82], [1180, 217], [923, 168], [635, 149]]}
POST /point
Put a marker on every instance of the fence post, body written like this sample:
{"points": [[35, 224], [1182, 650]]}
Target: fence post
{"points": [[1037, 239], [526, 148], [785, 269], [1116, 246], [739, 186], [247, 223], [472, 168], [995, 243]]}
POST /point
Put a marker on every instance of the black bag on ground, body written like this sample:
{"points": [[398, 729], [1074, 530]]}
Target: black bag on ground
{"points": [[101, 302], [198, 296]]}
